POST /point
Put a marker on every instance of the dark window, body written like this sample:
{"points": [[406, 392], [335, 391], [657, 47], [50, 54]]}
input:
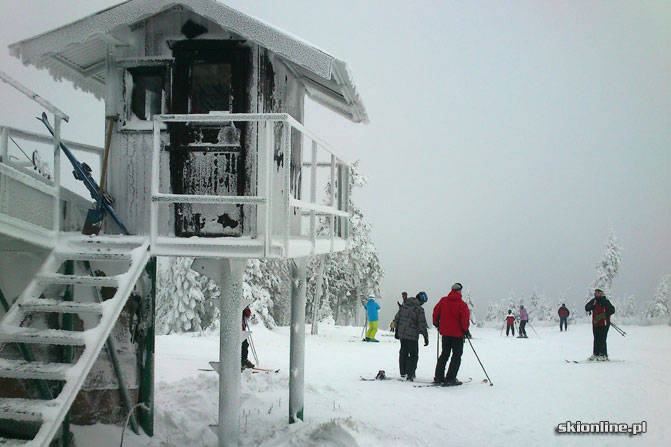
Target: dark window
{"points": [[210, 87], [148, 93]]}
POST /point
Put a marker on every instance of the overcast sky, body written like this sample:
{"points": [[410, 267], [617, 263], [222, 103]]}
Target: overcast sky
{"points": [[506, 138]]}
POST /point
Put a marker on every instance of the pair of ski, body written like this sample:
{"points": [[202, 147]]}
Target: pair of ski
{"points": [[594, 361], [416, 383], [400, 379], [438, 385], [254, 370]]}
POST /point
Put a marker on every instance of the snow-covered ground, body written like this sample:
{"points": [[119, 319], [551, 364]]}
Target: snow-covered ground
{"points": [[534, 390]]}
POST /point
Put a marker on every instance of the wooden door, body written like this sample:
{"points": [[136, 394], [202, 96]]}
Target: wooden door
{"points": [[209, 76]]}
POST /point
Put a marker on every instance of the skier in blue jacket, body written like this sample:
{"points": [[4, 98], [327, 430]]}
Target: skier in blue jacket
{"points": [[372, 307]]}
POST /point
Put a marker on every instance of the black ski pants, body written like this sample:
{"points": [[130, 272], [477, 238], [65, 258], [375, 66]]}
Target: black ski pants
{"points": [[456, 346], [509, 328], [523, 331], [600, 335], [408, 357], [245, 351], [563, 321]]}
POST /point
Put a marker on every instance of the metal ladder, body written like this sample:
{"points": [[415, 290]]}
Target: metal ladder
{"points": [[133, 251]]}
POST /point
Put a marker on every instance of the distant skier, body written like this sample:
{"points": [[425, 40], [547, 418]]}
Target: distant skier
{"points": [[372, 307], [410, 322], [510, 322], [452, 318], [563, 317], [601, 310], [524, 319], [246, 313]]}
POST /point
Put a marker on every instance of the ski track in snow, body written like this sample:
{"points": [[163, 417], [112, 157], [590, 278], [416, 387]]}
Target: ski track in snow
{"points": [[534, 390]]}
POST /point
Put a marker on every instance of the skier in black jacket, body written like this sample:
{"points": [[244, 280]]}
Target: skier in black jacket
{"points": [[410, 323], [601, 310]]}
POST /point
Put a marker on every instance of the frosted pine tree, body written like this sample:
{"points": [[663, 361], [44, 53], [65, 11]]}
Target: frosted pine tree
{"points": [[495, 312], [471, 307], [265, 284], [179, 299], [512, 304], [628, 306], [534, 309], [608, 268], [351, 275], [660, 307]]}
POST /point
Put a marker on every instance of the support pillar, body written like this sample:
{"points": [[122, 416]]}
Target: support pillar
{"points": [[228, 273], [297, 340]]}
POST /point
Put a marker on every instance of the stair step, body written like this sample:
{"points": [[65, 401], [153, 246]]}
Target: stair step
{"points": [[99, 281], [41, 336], [4, 442], [24, 409], [21, 369], [97, 256], [63, 307]]}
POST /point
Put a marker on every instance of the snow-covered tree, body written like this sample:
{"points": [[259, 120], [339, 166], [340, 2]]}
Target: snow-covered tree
{"points": [[266, 284], [660, 307], [179, 301], [351, 275], [608, 267], [511, 304], [469, 302], [534, 309], [494, 312], [627, 306]]}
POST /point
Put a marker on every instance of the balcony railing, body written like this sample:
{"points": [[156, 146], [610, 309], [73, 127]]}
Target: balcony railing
{"points": [[25, 219], [277, 228]]}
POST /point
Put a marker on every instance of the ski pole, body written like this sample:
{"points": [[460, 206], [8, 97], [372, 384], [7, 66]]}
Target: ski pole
{"points": [[532, 328], [437, 344], [365, 324], [476, 356], [251, 342], [620, 331], [501, 334]]}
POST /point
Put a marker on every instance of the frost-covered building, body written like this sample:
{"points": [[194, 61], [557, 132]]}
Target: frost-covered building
{"points": [[205, 156]]}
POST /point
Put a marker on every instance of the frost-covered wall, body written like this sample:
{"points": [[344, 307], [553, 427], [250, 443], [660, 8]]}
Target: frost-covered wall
{"points": [[270, 87]]}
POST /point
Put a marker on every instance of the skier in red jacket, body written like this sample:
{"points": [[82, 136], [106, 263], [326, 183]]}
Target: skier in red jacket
{"points": [[601, 310], [510, 321], [452, 317], [246, 313]]}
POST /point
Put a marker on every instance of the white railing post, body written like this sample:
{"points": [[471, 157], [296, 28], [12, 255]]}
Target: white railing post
{"points": [[313, 197], [286, 142], [155, 181], [57, 174], [4, 149], [332, 217], [348, 171], [268, 189]]}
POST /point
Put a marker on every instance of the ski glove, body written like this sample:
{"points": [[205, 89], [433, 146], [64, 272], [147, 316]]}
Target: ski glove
{"points": [[426, 341], [467, 334]]}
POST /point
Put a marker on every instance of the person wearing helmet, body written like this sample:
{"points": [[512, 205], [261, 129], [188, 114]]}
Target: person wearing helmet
{"points": [[452, 318], [372, 307], [410, 322]]}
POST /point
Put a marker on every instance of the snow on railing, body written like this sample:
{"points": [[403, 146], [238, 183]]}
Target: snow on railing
{"points": [[17, 171], [267, 221]]}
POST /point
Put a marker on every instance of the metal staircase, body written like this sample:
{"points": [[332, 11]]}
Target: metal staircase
{"points": [[132, 252]]}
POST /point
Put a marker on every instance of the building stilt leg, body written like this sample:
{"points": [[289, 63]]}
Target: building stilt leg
{"points": [[297, 340]]}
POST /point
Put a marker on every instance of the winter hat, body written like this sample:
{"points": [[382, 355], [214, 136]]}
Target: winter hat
{"points": [[598, 290], [422, 297], [371, 297], [457, 286]]}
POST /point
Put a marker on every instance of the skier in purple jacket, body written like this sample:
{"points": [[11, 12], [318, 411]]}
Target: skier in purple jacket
{"points": [[524, 318]]}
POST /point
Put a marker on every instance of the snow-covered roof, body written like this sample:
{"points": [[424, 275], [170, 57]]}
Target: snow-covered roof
{"points": [[77, 51]]}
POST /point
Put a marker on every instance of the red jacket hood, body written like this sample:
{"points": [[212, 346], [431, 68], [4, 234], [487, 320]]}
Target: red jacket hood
{"points": [[453, 295]]}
